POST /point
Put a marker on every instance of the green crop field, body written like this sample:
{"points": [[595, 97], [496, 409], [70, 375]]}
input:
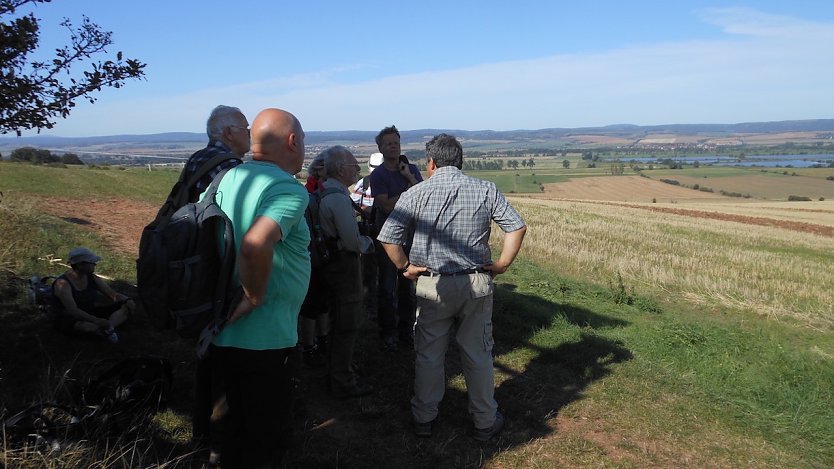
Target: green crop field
{"points": [[627, 335]]}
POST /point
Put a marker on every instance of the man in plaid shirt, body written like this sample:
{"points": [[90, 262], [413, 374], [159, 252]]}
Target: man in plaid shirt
{"points": [[450, 216]]}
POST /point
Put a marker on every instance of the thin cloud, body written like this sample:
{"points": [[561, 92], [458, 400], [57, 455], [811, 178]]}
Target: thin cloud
{"points": [[750, 22], [768, 68]]}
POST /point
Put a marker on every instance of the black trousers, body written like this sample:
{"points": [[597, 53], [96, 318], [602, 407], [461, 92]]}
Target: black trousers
{"points": [[209, 401], [258, 429], [396, 300]]}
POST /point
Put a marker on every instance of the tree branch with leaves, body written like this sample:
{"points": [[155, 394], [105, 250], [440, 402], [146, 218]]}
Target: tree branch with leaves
{"points": [[33, 94]]}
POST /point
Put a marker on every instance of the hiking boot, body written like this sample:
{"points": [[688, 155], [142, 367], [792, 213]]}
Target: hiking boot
{"points": [[424, 429], [111, 336], [484, 434], [358, 389], [214, 458]]}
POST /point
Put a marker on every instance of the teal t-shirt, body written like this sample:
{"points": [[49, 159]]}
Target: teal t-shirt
{"points": [[246, 192]]}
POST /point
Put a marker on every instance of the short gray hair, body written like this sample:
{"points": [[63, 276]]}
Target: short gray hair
{"points": [[445, 150], [333, 157], [220, 118]]}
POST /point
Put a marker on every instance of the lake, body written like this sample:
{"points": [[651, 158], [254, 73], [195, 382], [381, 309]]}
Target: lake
{"points": [[770, 161]]}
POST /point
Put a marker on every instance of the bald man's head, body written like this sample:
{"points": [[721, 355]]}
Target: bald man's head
{"points": [[277, 137]]}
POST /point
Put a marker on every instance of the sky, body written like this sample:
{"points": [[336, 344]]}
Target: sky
{"points": [[470, 65]]}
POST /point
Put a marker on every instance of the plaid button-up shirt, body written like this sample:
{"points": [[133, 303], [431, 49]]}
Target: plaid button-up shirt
{"points": [[451, 216], [214, 147]]}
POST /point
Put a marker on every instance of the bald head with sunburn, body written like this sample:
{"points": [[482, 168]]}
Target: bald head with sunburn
{"points": [[277, 137]]}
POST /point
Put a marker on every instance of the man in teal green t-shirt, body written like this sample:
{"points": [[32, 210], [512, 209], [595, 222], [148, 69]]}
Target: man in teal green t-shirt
{"points": [[266, 207]]}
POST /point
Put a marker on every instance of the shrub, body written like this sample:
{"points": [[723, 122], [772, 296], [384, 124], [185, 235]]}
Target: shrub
{"points": [[620, 294], [798, 198], [671, 181]]}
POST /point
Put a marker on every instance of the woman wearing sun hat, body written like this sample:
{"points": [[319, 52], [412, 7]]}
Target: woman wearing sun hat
{"points": [[77, 290]]}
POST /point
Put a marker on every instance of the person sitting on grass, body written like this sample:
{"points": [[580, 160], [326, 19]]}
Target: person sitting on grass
{"points": [[76, 291]]}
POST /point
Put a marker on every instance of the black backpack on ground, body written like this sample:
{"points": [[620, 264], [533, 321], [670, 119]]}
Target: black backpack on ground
{"points": [[185, 266], [141, 382], [118, 395], [321, 247], [41, 295]]}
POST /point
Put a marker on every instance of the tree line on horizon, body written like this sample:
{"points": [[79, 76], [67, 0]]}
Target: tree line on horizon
{"points": [[40, 156]]}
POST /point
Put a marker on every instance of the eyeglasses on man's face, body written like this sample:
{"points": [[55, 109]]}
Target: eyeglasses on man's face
{"points": [[242, 127]]}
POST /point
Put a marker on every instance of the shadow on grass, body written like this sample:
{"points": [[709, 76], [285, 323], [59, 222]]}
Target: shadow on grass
{"points": [[41, 364], [377, 431]]}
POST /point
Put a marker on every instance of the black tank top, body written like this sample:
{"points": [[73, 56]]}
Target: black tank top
{"points": [[85, 299]]}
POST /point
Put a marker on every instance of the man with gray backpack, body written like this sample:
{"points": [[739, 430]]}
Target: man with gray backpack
{"points": [[184, 278]]}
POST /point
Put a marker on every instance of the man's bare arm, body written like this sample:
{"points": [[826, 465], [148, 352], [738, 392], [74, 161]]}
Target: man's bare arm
{"points": [[397, 255], [63, 292], [386, 203], [512, 244], [255, 263]]}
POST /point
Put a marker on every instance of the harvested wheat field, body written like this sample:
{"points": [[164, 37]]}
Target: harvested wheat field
{"points": [[815, 212], [765, 186], [624, 189]]}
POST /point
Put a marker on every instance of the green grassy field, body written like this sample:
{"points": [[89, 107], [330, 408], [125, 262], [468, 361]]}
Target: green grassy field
{"points": [[83, 181], [622, 340]]}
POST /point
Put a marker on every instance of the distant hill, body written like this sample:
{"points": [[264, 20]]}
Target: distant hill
{"points": [[414, 136]]}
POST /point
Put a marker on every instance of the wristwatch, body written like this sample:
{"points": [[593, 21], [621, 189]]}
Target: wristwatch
{"points": [[405, 268]]}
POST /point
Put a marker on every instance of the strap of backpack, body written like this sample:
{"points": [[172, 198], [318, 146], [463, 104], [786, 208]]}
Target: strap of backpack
{"points": [[320, 194], [211, 190], [206, 167], [222, 293], [179, 193]]}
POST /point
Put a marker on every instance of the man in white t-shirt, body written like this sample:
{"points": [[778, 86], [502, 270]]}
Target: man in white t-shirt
{"points": [[361, 194]]}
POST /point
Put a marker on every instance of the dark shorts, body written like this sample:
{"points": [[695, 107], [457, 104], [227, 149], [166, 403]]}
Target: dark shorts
{"points": [[67, 322]]}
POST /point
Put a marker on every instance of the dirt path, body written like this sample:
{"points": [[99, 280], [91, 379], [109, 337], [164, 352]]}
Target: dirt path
{"points": [[118, 221]]}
